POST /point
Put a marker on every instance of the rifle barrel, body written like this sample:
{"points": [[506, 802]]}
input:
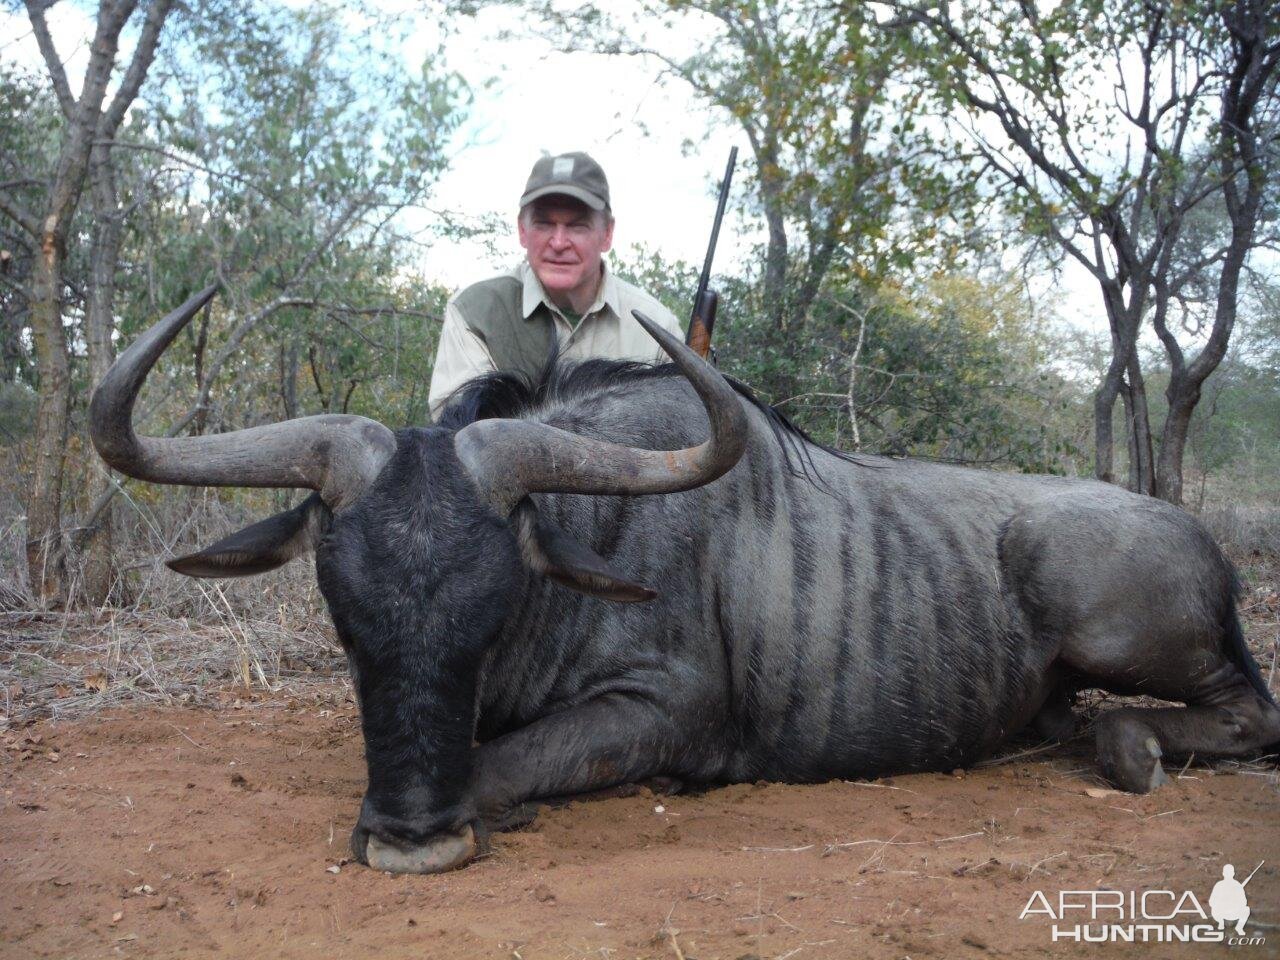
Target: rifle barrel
{"points": [[705, 278]]}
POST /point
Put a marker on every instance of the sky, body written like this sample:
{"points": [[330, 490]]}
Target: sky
{"points": [[530, 101], [662, 148]]}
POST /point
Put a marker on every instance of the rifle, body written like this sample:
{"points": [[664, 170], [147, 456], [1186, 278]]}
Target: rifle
{"points": [[705, 301]]}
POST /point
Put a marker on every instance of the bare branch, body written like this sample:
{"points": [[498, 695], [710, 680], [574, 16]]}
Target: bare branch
{"points": [[241, 330], [188, 162], [386, 310], [23, 182], [143, 54], [52, 62]]}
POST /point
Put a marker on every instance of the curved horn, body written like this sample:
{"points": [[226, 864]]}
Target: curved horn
{"points": [[512, 458], [337, 455]]}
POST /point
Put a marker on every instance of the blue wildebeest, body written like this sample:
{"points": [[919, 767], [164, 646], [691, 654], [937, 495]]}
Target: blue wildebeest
{"points": [[854, 618]]}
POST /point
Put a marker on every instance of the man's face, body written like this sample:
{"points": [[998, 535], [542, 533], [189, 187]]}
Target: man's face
{"points": [[564, 240]]}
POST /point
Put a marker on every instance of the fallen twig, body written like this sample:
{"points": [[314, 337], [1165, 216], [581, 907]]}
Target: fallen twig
{"points": [[831, 847], [807, 846], [1042, 861]]}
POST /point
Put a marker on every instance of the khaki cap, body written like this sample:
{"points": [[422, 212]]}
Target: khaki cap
{"points": [[572, 174]]}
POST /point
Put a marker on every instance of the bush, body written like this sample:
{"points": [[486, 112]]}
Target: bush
{"points": [[17, 412]]}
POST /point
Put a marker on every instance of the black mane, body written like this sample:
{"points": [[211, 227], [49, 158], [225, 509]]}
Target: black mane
{"points": [[512, 395]]}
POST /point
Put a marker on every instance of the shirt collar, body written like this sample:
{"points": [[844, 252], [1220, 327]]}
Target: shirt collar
{"points": [[534, 295]]}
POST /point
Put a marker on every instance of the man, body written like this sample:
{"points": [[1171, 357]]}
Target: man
{"points": [[563, 294]]}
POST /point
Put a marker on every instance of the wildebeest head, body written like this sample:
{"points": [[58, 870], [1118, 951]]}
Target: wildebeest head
{"points": [[419, 536]]}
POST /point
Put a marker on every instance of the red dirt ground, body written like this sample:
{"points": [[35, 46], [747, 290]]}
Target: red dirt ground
{"points": [[203, 832]]}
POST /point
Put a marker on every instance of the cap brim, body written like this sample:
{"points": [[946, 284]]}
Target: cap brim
{"points": [[564, 190]]}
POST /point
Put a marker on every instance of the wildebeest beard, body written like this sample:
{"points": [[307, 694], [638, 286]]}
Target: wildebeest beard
{"points": [[804, 614]]}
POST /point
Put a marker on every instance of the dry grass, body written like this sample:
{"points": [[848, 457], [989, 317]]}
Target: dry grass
{"points": [[153, 524], [64, 665], [166, 638], [1245, 530]]}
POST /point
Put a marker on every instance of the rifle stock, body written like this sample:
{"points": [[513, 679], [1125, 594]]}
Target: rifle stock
{"points": [[703, 322]]}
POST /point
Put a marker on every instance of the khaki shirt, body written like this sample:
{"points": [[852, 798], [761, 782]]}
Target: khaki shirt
{"points": [[606, 330]]}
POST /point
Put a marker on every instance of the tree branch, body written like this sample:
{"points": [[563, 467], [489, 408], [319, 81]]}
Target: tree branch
{"points": [[143, 54], [20, 215], [194, 165], [52, 62]]}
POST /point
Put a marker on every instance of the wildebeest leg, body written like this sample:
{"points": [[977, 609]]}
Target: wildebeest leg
{"points": [[1226, 718], [1139, 600], [615, 739], [1056, 720], [523, 814], [658, 786]]}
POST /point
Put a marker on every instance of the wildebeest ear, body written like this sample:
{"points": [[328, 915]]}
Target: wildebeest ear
{"points": [[550, 551], [263, 546]]}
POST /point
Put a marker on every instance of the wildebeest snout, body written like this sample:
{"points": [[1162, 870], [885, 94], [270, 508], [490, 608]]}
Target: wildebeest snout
{"points": [[398, 844]]}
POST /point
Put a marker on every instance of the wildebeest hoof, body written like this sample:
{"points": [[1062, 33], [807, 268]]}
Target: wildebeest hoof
{"points": [[445, 851], [1130, 754], [1156, 778]]}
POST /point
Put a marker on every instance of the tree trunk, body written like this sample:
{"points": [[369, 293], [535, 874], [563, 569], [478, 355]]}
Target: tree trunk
{"points": [[1131, 438], [97, 540], [289, 379], [815, 271], [1185, 381], [44, 500], [775, 259], [201, 419], [1104, 402], [85, 119], [1104, 405], [1123, 379], [1177, 422], [315, 378], [775, 267], [10, 346], [1142, 479]]}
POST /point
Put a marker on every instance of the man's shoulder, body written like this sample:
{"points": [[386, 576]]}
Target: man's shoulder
{"points": [[481, 299]]}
